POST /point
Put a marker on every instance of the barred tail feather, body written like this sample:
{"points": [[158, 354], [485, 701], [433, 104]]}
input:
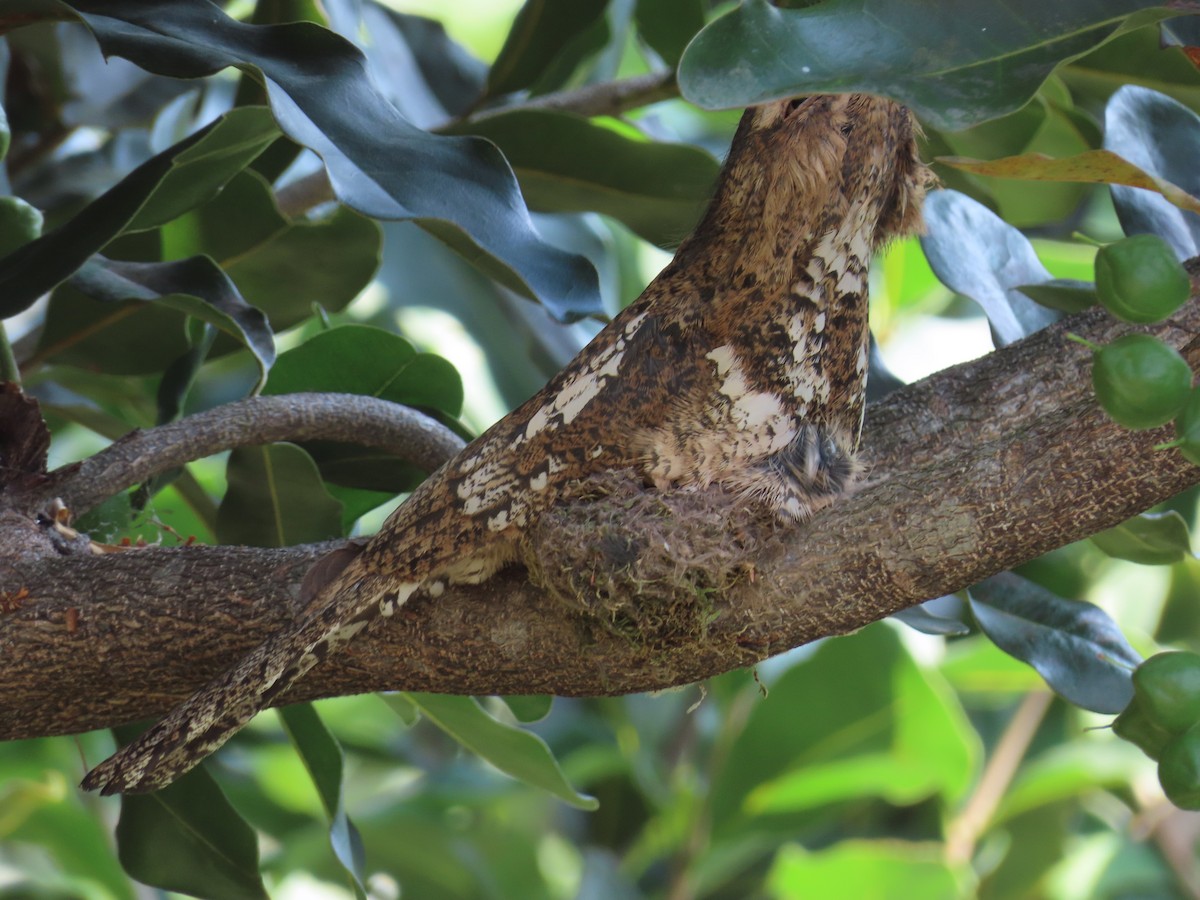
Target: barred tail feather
{"points": [[216, 712]]}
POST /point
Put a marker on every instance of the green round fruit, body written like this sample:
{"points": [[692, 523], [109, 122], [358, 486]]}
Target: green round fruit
{"points": [[1139, 279], [1179, 769], [1187, 429], [1135, 726], [1167, 688], [20, 223], [1140, 381]]}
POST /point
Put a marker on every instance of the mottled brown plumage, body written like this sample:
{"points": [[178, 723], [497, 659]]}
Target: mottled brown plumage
{"points": [[742, 364]]}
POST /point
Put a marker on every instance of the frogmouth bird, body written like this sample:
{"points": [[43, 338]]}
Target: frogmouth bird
{"points": [[743, 364]]}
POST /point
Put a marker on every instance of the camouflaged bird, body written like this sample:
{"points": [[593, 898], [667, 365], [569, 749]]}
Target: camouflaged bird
{"points": [[743, 364]]}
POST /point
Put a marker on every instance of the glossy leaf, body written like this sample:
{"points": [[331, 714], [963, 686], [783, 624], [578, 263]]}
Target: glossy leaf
{"points": [[567, 163], [516, 752], [276, 499], [1157, 134], [978, 254], [188, 838], [953, 71], [195, 286], [323, 758], [921, 619], [458, 188], [1074, 646], [1093, 167], [361, 359], [536, 40], [1152, 539], [164, 186]]}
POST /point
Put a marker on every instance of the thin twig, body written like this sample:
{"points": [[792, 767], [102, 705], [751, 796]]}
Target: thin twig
{"points": [[968, 825], [609, 98], [365, 421]]}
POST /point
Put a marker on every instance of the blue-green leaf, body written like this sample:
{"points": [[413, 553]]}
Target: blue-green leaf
{"points": [[1074, 645], [457, 188], [954, 66], [975, 252]]}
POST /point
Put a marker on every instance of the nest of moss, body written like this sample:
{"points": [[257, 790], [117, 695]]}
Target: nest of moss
{"points": [[651, 566]]}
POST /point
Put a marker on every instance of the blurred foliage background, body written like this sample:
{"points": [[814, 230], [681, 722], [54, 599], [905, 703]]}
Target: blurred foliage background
{"points": [[891, 763]]}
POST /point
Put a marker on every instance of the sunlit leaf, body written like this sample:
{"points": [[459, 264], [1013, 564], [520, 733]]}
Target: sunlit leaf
{"points": [[858, 868], [1094, 167], [1073, 645]]}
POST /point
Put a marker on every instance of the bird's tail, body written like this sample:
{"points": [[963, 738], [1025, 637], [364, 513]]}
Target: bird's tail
{"points": [[216, 712]]}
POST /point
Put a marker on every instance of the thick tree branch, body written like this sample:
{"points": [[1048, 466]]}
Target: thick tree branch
{"points": [[972, 471], [366, 421]]}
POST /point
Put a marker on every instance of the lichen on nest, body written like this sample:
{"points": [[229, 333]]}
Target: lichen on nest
{"points": [[652, 566]]}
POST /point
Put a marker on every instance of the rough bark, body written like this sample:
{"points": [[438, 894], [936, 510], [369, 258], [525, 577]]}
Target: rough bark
{"points": [[972, 471]]}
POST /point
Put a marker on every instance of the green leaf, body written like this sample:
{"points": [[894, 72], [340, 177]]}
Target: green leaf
{"points": [[1156, 133], [196, 287], [953, 71], [536, 41], [978, 254], [1066, 295], [188, 838], [276, 262], [883, 870], [529, 707], [1073, 645], [276, 499], [1152, 539], [457, 188], [898, 734], [361, 359], [20, 223], [323, 758], [921, 619], [668, 25], [518, 753], [567, 163], [1070, 770], [167, 185]]}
